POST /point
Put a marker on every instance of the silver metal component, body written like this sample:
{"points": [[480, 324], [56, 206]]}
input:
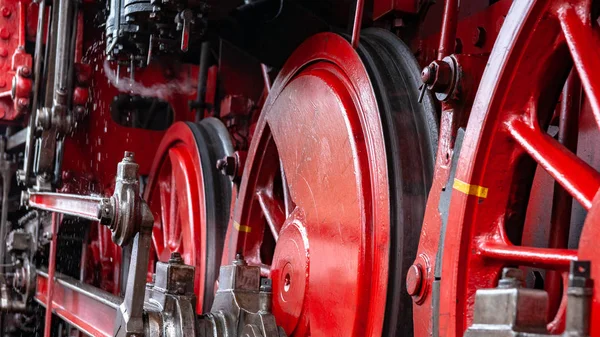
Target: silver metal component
{"points": [[242, 304], [18, 139], [511, 310], [171, 301]]}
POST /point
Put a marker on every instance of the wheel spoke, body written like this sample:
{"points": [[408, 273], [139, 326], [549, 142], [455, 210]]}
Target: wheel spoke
{"points": [[287, 197], [169, 226], [272, 211], [585, 51], [165, 211], [572, 173]]}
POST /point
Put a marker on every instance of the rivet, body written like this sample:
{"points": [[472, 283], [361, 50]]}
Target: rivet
{"points": [[414, 279], [4, 33], [6, 11]]}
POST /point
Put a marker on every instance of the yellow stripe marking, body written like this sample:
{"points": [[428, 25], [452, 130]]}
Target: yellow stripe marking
{"points": [[478, 191], [241, 228]]}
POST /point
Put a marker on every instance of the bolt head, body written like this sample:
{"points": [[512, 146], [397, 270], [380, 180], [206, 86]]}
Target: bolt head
{"points": [[414, 279], [6, 11], [175, 258], [4, 33], [428, 74]]}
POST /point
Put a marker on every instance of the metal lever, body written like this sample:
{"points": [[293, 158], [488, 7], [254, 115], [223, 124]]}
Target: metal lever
{"points": [[130, 221], [186, 18]]}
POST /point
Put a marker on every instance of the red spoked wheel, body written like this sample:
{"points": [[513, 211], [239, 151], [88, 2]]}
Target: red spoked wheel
{"points": [[191, 200], [318, 207], [505, 139]]}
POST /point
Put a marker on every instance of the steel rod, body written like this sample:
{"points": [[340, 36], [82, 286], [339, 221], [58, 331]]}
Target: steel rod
{"points": [[51, 271], [267, 80], [88, 308], [86, 207], [358, 15], [448, 34]]}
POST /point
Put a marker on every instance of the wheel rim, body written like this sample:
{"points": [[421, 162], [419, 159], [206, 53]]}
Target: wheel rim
{"points": [[190, 200], [314, 202], [410, 133], [504, 140]]}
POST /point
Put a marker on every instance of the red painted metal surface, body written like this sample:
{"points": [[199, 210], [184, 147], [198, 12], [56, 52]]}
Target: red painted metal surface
{"points": [[448, 32], [94, 315], [101, 260], [175, 194], [317, 160], [505, 135], [15, 62], [99, 141], [358, 17]]}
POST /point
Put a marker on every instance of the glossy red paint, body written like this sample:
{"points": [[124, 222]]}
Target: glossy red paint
{"points": [[175, 194], [318, 161], [101, 260], [505, 135], [448, 32], [15, 62], [96, 145]]}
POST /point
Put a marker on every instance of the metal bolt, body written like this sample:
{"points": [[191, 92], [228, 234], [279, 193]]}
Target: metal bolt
{"points": [[479, 36], [414, 279], [25, 71], [428, 74], [227, 165], [176, 258], [511, 278], [6, 11], [3, 52], [4, 33], [129, 156], [437, 76], [2, 83], [23, 102], [239, 260]]}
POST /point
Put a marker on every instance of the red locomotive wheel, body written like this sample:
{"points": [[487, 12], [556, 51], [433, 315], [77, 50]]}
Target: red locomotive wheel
{"points": [[505, 138], [191, 200], [317, 207]]}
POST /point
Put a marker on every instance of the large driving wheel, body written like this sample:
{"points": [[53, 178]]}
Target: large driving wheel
{"points": [[191, 200], [335, 185], [506, 137]]}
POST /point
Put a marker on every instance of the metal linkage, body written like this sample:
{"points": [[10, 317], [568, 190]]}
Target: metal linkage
{"points": [[130, 221], [242, 305], [167, 306], [510, 310]]}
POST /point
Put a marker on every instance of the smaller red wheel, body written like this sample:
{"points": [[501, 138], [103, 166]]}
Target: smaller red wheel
{"points": [[190, 200]]}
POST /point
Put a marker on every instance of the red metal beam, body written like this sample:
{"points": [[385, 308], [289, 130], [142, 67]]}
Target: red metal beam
{"points": [[583, 44], [572, 173], [90, 309], [357, 23], [448, 35], [556, 259]]}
